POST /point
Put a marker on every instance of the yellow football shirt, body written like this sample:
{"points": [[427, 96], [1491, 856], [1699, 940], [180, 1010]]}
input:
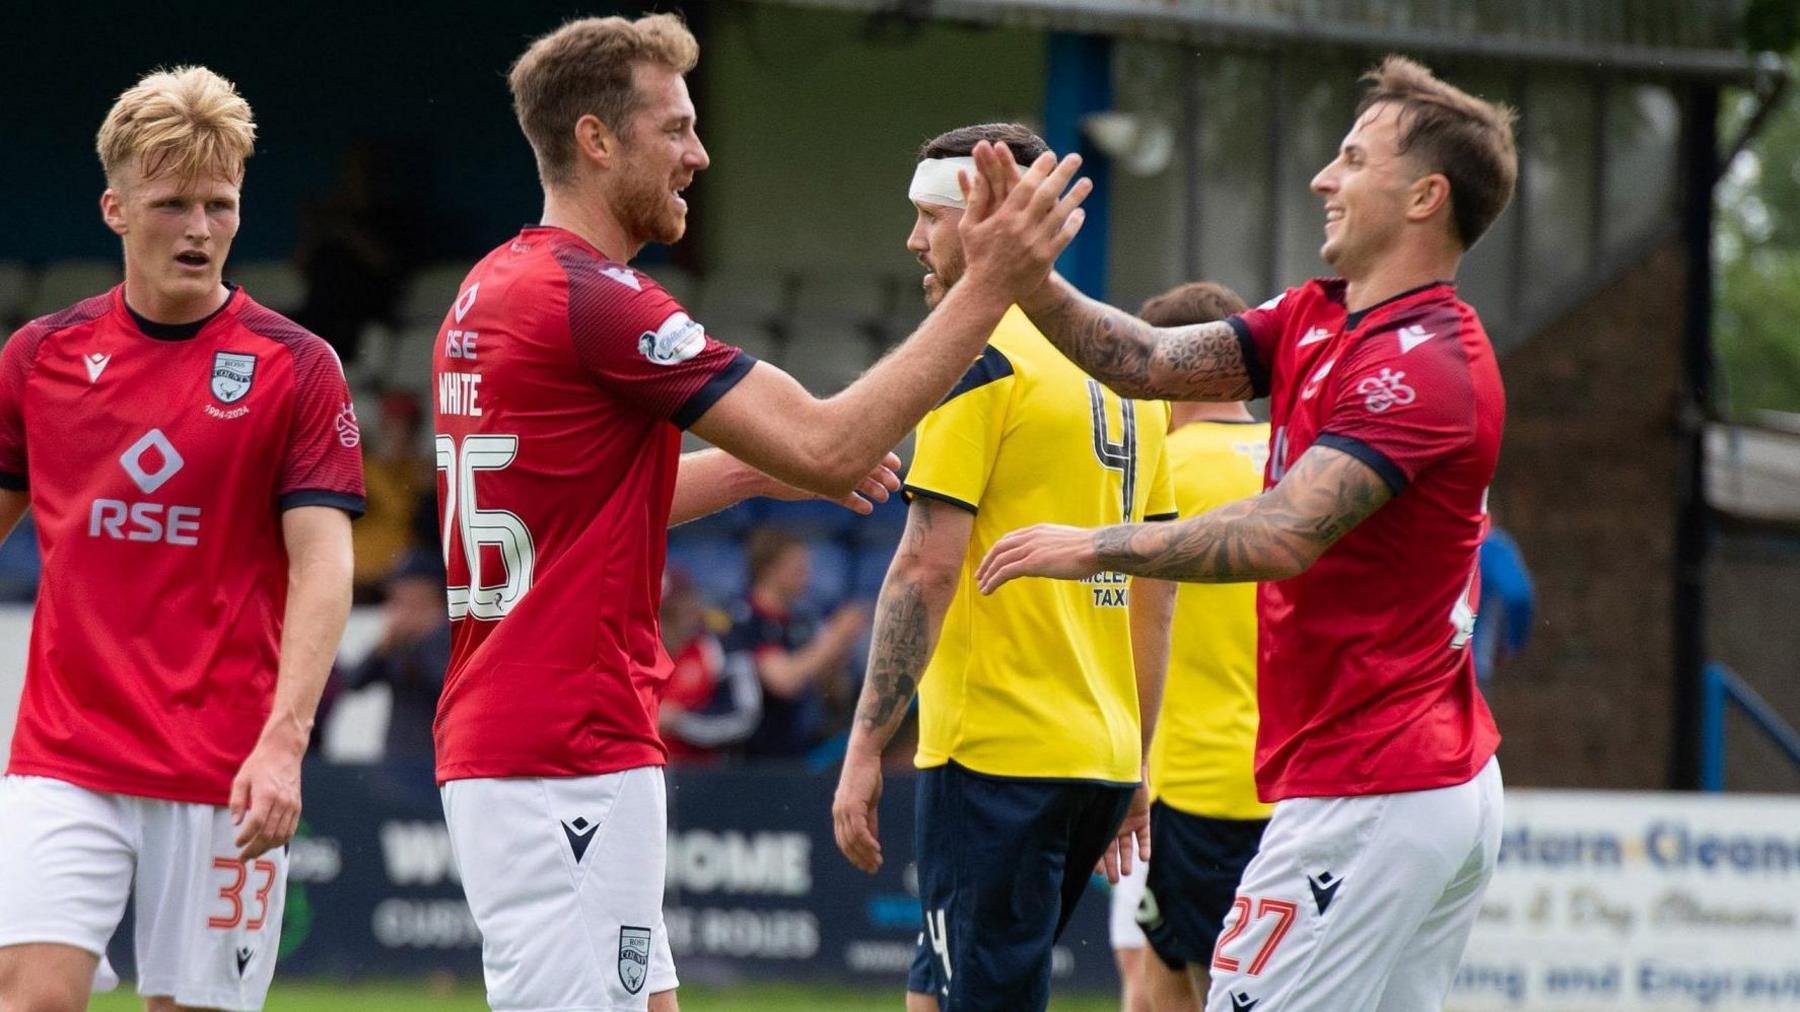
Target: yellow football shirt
{"points": [[1037, 680], [1201, 760]]}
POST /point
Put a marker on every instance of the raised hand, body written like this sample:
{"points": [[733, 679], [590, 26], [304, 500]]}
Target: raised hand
{"points": [[1017, 225]]}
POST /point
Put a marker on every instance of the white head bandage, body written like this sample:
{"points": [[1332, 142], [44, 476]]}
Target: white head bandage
{"points": [[934, 181]]}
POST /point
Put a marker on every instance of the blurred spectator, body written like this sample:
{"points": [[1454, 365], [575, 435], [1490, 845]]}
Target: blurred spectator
{"points": [[413, 653], [19, 564], [398, 476], [709, 707], [358, 245], [796, 663], [1508, 601]]}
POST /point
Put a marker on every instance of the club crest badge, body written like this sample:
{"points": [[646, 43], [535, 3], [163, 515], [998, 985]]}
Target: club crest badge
{"points": [[634, 957], [232, 373]]}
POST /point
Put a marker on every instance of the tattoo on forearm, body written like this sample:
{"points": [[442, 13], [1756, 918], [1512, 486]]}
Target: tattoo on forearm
{"points": [[896, 658], [1270, 536], [1203, 362]]}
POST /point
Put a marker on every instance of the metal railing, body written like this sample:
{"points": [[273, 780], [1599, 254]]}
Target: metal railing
{"points": [[1719, 686]]}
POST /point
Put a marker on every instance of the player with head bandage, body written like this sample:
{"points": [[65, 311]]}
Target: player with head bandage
{"points": [[1031, 741]]}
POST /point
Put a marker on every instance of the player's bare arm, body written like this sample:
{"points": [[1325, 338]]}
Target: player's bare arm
{"points": [[13, 504], [1200, 363], [1272, 536], [711, 480], [920, 584], [265, 794], [827, 446]]}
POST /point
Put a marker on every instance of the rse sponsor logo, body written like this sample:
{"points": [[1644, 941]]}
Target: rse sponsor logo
{"points": [[464, 301], [144, 521], [1385, 390], [147, 521], [676, 340]]}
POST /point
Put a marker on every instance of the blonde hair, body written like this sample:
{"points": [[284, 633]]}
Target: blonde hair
{"points": [[188, 121], [585, 68]]}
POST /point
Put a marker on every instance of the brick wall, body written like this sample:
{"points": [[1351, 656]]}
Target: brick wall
{"points": [[1586, 485]]}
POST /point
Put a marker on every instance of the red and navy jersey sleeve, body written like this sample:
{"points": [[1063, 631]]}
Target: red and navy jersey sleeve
{"points": [[637, 340], [1404, 401], [15, 368], [323, 464], [1259, 335]]}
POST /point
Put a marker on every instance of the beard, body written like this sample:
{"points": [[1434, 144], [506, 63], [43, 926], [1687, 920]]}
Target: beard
{"points": [[647, 213]]}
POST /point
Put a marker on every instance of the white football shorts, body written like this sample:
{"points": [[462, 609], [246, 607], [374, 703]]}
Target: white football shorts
{"points": [[565, 878], [207, 925], [1121, 919], [1360, 904]]}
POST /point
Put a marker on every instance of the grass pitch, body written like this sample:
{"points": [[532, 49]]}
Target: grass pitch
{"points": [[423, 996]]}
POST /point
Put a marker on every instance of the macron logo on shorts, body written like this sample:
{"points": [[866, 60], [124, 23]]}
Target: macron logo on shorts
{"points": [[1242, 1002], [244, 956], [1324, 889], [580, 833]]}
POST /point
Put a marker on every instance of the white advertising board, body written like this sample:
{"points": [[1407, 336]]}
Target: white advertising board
{"points": [[1640, 901]]}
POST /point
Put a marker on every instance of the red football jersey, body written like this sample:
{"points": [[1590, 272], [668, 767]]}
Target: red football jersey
{"points": [[562, 381], [159, 460], [1365, 681]]}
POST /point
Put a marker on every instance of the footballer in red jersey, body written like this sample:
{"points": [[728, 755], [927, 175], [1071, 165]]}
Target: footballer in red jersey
{"points": [[1386, 412], [192, 462], [563, 378]]}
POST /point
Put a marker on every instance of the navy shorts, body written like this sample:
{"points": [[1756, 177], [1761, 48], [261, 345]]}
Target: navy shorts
{"points": [[1195, 865], [1002, 862]]}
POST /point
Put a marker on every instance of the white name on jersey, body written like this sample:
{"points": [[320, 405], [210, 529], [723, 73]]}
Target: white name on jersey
{"points": [[457, 392]]}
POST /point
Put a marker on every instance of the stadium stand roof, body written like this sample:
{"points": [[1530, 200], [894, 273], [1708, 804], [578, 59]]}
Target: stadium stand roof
{"points": [[1678, 38]]}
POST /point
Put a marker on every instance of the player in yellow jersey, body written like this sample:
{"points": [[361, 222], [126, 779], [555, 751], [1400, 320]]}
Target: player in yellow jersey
{"points": [[1205, 821], [1031, 744]]}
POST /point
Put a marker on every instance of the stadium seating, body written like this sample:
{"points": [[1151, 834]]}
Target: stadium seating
{"points": [[67, 282], [716, 565], [274, 283], [430, 293], [17, 282]]}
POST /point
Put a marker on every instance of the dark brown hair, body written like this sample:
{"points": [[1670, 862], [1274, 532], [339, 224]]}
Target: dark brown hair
{"points": [[1025, 145], [585, 67], [1447, 130], [1191, 303]]}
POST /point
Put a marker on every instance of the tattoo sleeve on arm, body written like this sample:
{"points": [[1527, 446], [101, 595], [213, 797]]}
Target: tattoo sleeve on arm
{"points": [[913, 600], [1271, 536], [1202, 362]]}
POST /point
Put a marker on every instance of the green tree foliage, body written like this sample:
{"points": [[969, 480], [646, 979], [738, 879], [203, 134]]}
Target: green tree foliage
{"points": [[1757, 330]]}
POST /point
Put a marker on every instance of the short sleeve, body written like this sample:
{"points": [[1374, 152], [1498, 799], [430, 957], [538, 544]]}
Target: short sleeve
{"points": [[1401, 412], [641, 344], [1259, 333], [959, 439], [1161, 504], [323, 463], [15, 369]]}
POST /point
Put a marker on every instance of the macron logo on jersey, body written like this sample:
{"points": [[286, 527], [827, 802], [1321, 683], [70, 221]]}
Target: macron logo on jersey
{"points": [[1314, 336], [1412, 337], [96, 364], [147, 521]]}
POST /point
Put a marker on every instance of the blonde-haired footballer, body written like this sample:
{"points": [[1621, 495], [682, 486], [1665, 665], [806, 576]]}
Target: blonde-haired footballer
{"points": [[173, 430]]}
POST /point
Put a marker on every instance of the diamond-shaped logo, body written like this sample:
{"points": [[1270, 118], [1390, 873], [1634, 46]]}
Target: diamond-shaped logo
{"points": [[132, 460]]}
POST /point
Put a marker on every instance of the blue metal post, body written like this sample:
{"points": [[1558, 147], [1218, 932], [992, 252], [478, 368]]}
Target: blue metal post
{"points": [[1712, 728], [1080, 82]]}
